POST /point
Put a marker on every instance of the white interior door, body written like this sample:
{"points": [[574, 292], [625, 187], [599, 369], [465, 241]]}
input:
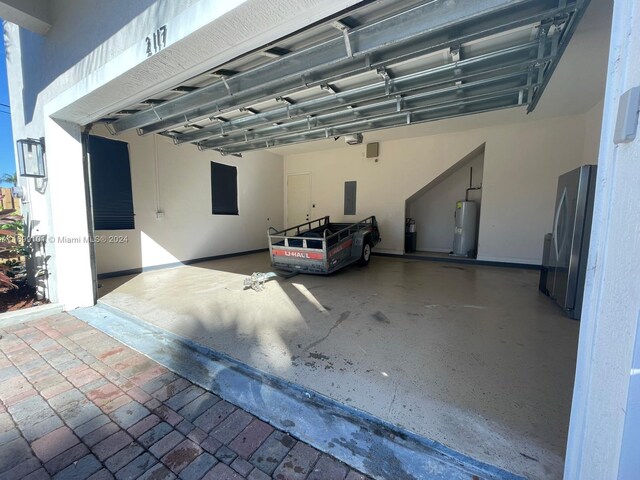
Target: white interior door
{"points": [[298, 199]]}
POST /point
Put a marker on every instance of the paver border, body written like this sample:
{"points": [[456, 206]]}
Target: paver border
{"points": [[14, 317]]}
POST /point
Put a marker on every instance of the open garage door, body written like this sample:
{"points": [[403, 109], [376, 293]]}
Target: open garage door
{"points": [[383, 65]]}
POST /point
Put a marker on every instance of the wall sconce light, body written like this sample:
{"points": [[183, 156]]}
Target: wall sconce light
{"points": [[18, 192], [31, 158]]}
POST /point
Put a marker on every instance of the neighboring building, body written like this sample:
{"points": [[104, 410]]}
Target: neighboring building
{"points": [[80, 67]]}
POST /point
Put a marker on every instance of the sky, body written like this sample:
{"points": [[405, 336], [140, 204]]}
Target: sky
{"points": [[7, 162]]}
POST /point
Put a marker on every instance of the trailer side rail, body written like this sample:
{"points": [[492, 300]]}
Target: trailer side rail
{"points": [[322, 221], [299, 242], [351, 229]]}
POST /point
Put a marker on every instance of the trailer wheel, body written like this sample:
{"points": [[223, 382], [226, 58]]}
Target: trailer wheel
{"points": [[366, 253]]}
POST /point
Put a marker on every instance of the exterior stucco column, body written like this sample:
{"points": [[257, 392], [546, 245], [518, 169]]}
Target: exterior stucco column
{"points": [[71, 274]]}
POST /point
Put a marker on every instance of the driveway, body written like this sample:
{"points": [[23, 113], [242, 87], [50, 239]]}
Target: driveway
{"points": [[76, 403]]}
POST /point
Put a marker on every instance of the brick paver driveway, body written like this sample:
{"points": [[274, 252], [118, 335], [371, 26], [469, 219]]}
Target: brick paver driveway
{"points": [[76, 403]]}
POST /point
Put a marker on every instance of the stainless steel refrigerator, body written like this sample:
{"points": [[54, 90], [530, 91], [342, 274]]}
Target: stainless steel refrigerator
{"points": [[569, 245]]}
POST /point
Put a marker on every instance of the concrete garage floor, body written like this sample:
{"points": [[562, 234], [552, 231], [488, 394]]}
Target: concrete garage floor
{"points": [[471, 356]]}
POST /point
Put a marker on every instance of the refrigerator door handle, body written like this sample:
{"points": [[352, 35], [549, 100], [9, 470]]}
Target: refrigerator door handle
{"points": [[556, 223]]}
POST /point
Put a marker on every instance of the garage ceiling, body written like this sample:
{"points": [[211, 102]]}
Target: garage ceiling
{"points": [[383, 65]]}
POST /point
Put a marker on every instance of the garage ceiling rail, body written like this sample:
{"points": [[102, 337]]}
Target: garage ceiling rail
{"points": [[433, 60]]}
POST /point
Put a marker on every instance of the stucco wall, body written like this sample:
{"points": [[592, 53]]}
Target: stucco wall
{"points": [[521, 168], [178, 183]]}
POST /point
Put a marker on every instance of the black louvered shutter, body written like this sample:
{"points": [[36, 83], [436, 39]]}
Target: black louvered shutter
{"points": [[224, 189], [111, 192]]}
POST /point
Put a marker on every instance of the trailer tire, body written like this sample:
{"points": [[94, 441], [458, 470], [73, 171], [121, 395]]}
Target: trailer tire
{"points": [[365, 257]]}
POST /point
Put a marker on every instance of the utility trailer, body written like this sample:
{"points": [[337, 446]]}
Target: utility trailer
{"points": [[321, 247]]}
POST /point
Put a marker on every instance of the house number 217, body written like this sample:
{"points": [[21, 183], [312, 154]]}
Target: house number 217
{"points": [[157, 41]]}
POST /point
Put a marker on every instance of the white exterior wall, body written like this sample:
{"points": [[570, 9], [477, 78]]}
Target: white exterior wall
{"points": [[32, 14], [522, 163], [178, 183]]}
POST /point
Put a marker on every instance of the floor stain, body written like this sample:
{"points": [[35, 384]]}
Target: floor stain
{"points": [[318, 356], [381, 317], [528, 457]]}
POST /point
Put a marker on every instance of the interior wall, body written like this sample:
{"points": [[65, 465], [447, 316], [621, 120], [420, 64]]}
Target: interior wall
{"points": [[521, 167], [593, 126], [433, 210], [179, 185]]}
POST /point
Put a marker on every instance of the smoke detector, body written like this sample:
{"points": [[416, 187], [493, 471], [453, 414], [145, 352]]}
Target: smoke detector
{"points": [[354, 139]]}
